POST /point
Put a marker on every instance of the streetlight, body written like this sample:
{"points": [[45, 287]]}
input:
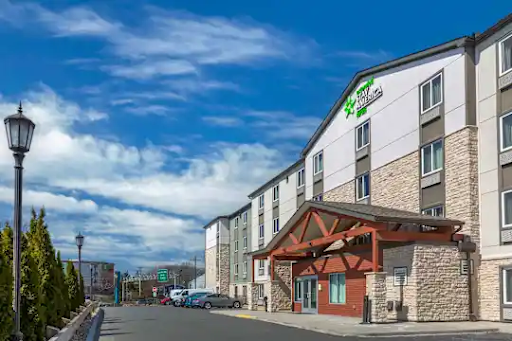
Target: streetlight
{"points": [[79, 242], [19, 130]]}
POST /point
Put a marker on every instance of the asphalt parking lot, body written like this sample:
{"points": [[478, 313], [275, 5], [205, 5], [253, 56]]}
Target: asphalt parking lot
{"points": [[163, 323]]}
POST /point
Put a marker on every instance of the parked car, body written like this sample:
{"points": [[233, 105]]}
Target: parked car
{"points": [[179, 299], [193, 298], [218, 301], [166, 301]]}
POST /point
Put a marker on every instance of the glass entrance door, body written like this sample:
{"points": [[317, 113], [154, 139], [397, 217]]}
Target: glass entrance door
{"points": [[309, 300]]}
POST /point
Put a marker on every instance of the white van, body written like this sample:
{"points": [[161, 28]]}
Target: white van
{"points": [[179, 298]]}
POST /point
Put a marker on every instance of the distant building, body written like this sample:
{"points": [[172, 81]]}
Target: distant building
{"points": [[102, 276], [199, 283]]}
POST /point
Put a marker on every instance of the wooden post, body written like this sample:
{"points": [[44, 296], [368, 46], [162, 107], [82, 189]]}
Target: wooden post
{"points": [[375, 252]]}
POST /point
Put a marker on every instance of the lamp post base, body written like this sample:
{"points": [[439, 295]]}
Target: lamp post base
{"points": [[17, 336]]}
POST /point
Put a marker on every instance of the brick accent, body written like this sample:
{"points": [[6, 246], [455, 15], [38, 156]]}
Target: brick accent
{"points": [[342, 193], [280, 296], [396, 184], [489, 294], [436, 291]]}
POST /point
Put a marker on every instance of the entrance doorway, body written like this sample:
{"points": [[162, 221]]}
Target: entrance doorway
{"points": [[309, 299]]}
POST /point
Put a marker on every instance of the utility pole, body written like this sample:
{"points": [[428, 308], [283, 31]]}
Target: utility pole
{"points": [[140, 281], [195, 271]]}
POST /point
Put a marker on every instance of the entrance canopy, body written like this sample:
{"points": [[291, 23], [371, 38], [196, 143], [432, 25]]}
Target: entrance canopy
{"points": [[319, 228]]}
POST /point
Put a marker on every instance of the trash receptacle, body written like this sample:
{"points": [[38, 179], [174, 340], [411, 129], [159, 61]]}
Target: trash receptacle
{"points": [[265, 302]]}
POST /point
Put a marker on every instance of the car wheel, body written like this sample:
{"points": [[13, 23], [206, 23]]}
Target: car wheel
{"points": [[207, 305], [176, 304], [236, 305]]}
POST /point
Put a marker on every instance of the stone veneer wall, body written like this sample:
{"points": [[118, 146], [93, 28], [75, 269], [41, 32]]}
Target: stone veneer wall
{"points": [[376, 291], [280, 297], [436, 291], [489, 293], [224, 269], [210, 260], [342, 193], [396, 184]]}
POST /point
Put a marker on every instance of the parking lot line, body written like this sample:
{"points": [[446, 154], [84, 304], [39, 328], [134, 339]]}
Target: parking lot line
{"points": [[245, 316]]}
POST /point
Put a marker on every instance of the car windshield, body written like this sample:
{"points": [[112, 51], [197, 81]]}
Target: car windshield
{"points": [[201, 294]]}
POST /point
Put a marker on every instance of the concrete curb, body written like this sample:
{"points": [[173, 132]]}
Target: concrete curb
{"points": [[95, 329], [371, 335]]}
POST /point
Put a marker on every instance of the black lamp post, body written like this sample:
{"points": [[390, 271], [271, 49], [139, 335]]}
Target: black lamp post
{"points": [[19, 130], [79, 242]]}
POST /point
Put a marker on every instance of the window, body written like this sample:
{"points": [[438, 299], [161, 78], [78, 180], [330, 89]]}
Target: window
{"points": [[275, 193], [506, 209], [275, 225], [244, 267], [297, 290], [363, 135], [300, 178], [436, 211], [244, 217], [337, 288], [245, 241], [432, 93], [236, 222], [506, 131], [505, 55], [432, 158], [261, 266], [236, 269], [261, 201], [507, 286], [236, 245], [363, 187], [261, 291], [318, 163], [318, 197], [262, 231]]}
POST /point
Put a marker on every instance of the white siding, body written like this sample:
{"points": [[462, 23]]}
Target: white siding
{"points": [[394, 118], [211, 235], [486, 77], [224, 231], [255, 225], [287, 198]]}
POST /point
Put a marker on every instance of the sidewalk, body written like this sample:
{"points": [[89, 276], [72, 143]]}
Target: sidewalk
{"points": [[349, 326]]}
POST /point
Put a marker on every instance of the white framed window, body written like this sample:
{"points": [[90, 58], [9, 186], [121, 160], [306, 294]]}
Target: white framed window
{"points": [[507, 286], [275, 193], [337, 289], [318, 163], [236, 245], [261, 264], [244, 267], [436, 211], [506, 209], [318, 197], [275, 225], [236, 222], [261, 291], [236, 269], [244, 218], [505, 51], [262, 231], [261, 201], [297, 292], [506, 132], [245, 241], [363, 186], [300, 178], [363, 135], [431, 93], [432, 158]]}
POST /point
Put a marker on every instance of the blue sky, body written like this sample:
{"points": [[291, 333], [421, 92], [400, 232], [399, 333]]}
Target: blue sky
{"points": [[155, 116]]}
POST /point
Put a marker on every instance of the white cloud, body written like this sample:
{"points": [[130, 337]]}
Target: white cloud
{"points": [[62, 159], [284, 125], [223, 121]]}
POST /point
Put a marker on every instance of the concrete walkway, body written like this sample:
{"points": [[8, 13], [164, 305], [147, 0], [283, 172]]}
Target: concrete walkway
{"points": [[348, 326]]}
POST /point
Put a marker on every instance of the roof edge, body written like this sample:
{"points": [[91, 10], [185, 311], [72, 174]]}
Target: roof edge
{"points": [[494, 28], [431, 51], [241, 209], [265, 185], [214, 220]]}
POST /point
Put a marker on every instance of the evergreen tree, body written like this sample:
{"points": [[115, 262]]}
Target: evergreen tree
{"points": [[31, 324], [44, 257], [81, 296], [6, 282], [73, 286], [7, 240], [62, 290]]}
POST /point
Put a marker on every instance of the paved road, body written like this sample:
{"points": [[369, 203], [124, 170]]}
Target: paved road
{"points": [[169, 323]]}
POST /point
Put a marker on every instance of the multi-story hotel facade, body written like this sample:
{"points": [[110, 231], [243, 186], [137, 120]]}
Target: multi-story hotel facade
{"points": [[400, 196]]}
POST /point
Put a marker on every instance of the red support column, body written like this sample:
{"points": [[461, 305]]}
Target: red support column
{"points": [[272, 267], [252, 268], [375, 252]]}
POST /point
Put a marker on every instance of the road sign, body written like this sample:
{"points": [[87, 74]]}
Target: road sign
{"points": [[155, 289], [163, 275]]}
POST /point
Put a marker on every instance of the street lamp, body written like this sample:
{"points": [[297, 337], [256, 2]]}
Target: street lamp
{"points": [[79, 242], [19, 130]]}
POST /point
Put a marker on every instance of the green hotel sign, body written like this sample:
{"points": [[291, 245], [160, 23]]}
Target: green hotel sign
{"points": [[364, 96]]}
